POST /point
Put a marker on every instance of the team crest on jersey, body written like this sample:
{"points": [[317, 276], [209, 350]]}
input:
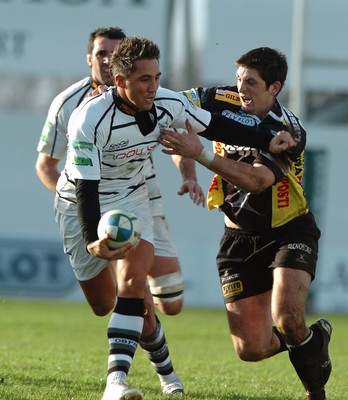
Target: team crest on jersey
{"points": [[243, 118], [163, 125]]}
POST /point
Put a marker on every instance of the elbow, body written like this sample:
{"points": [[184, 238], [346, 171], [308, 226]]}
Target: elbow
{"points": [[40, 170], [256, 185], [255, 190]]}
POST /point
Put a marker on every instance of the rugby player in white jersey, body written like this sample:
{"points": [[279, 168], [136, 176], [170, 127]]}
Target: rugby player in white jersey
{"points": [[110, 138], [165, 278]]}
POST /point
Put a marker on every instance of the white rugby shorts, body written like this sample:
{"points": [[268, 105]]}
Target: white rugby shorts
{"points": [[164, 247], [84, 265]]}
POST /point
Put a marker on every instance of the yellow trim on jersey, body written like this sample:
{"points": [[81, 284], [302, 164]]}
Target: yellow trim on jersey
{"points": [[228, 97], [192, 96], [288, 198], [216, 196]]}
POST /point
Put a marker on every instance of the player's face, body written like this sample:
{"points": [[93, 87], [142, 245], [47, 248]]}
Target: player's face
{"points": [[99, 60], [256, 99], [141, 87]]}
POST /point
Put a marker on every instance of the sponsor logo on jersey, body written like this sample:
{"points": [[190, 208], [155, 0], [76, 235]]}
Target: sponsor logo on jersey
{"points": [[227, 96], [283, 193], [117, 146], [192, 96], [82, 145], [240, 118], [144, 151], [48, 124], [218, 148], [241, 150], [43, 138], [83, 161]]}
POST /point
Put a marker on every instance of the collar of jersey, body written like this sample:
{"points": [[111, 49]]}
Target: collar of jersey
{"points": [[94, 84], [146, 120], [123, 106]]}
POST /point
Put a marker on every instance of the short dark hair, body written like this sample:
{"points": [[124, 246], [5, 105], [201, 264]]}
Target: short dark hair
{"points": [[271, 64], [131, 49], [110, 32]]}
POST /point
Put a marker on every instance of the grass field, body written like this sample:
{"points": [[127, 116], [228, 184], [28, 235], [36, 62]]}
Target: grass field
{"points": [[52, 351]]}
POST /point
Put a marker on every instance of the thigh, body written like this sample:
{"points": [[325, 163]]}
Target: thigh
{"points": [[250, 323], [243, 264], [290, 289], [100, 291], [290, 292], [163, 266], [132, 271]]}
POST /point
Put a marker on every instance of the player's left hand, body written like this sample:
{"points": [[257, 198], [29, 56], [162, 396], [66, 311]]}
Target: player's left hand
{"points": [[185, 144], [194, 190], [99, 90], [281, 141]]}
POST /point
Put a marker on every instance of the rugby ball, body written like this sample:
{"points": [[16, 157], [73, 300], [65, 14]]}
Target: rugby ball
{"points": [[122, 226]]}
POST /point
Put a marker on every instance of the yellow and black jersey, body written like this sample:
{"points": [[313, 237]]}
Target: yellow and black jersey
{"points": [[277, 205]]}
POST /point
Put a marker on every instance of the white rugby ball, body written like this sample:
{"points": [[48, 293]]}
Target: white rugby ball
{"points": [[123, 227]]}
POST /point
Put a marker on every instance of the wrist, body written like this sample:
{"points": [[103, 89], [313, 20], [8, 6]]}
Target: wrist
{"points": [[205, 157]]}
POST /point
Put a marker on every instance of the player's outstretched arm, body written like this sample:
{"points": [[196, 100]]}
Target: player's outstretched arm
{"points": [[251, 178], [189, 145]]}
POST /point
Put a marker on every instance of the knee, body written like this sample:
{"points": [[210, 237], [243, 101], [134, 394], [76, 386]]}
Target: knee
{"points": [[289, 325], [168, 292], [173, 308], [102, 309], [251, 349], [250, 354]]}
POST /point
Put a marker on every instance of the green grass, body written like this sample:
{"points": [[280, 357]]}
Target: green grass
{"points": [[59, 351]]}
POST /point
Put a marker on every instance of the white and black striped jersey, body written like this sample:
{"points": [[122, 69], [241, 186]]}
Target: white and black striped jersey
{"points": [[110, 143], [54, 140]]}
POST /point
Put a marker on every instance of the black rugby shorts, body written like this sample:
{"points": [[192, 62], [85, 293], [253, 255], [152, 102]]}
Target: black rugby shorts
{"points": [[245, 261]]}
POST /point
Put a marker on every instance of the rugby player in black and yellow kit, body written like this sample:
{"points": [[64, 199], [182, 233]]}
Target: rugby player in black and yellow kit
{"points": [[268, 252]]}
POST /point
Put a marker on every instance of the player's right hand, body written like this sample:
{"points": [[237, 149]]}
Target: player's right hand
{"points": [[99, 248], [280, 142]]}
